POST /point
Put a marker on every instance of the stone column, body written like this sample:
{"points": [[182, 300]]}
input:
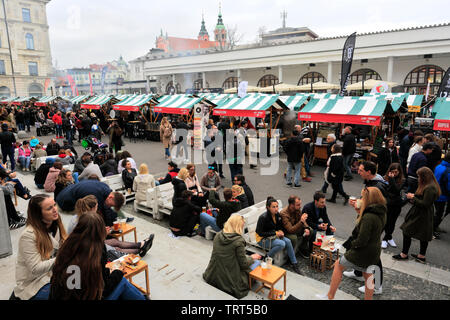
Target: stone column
{"points": [[390, 70], [330, 72], [204, 80], [280, 74], [239, 76]]}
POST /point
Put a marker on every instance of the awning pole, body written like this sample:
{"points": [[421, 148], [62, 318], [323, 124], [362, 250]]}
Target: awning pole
{"points": [[270, 128]]}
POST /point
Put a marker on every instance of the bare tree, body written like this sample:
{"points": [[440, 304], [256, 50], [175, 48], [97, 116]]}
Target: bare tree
{"points": [[233, 38]]}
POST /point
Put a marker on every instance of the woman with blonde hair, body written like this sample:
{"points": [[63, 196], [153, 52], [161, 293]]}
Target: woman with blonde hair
{"points": [[365, 247], [90, 204], [142, 182], [165, 132], [178, 184], [229, 265], [239, 194], [419, 220], [43, 236]]}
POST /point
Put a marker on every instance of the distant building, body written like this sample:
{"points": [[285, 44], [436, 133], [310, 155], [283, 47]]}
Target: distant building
{"points": [[285, 34], [27, 28]]}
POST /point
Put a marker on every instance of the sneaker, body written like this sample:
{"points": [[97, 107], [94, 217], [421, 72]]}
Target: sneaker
{"points": [[322, 296], [297, 269], [346, 200], [351, 275], [331, 200], [384, 244], [297, 185], [289, 184], [392, 243], [307, 179], [375, 291], [399, 257]]}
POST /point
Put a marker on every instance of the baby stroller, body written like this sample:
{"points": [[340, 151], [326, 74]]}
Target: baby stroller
{"points": [[98, 148], [48, 127]]}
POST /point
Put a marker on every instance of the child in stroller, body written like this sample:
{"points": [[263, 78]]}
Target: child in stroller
{"points": [[47, 127], [98, 148]]}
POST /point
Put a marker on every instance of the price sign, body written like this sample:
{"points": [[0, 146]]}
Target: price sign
{"points": [[413, 108]]}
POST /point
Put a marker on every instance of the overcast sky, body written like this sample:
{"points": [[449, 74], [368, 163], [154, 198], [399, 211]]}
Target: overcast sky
{"points": [[86, 31]]}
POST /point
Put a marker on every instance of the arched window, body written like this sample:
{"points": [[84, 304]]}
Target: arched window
{"points": [[417, 80], [35, 90], [231, 82], [311, 77], [198, 84], [30, 41], [267, 80], [5, 92], [170, 89], [364, 74]]}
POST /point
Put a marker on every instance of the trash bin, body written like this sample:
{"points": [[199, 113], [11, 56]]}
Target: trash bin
{"points": [[5, 236]]}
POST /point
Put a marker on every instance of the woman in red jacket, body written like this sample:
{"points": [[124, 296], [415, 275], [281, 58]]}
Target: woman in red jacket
{"points": [[57, 119]]}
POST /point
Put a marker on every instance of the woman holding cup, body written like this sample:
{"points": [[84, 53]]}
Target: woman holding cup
{"points": [[364, 250]]}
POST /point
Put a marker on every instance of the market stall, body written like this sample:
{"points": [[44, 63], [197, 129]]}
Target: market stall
{"points": [[96, 103], [8, 100], [47, 101], [345, 110], [295, 103]]}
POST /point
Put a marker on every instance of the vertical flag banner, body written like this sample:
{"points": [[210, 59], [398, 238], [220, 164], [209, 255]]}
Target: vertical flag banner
{"points": [[72, 84], [46, 84], [90, 84], [104, 70], [444, 89], [428, 89], [347, 59]]}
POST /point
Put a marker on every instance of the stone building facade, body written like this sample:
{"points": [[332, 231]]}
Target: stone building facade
{"points": [[26, 22]]}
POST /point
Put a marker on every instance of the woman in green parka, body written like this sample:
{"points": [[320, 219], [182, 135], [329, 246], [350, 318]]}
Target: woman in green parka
{"points": [[229, 266], [419, 220], [365, 248]]}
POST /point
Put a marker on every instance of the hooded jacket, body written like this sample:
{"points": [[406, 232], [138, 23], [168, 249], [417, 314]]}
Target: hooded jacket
{"points": [[439, 172], [49, 184], [229, 266], [366, 245], [377, 182], [178, 187]]}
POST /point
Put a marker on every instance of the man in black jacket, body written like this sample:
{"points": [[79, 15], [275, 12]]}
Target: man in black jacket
{"points": [[67, 198], [7, 141], [318, 219], [294, 150], [240, 180], [52, 148], [348, 151]]}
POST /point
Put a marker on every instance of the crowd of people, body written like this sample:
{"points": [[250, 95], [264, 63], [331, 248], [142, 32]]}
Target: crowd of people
{"points": [[201, 200]]}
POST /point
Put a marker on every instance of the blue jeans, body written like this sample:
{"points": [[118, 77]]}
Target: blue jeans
{"points": [[21, 126], [307, 167], [69, 136], [277, 245], [9, 152], [157, 183], [347, 164], [40, 186], [293, 166], [75, 177], [25, 162], [125, 291], [59, 130], [27, 124], [167, 152], [207, 220], [43, 293]]}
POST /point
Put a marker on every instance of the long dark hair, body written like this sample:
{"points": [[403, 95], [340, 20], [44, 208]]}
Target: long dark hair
{"points": [[395, 166], [83, 249]]}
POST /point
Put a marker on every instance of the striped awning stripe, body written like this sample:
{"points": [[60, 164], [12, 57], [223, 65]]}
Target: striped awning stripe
{"points": [[249, 106], [133, 103], [396, 99], [96, 102], [414, 100], [76, 99], [442, 117], [344, 110], [8, 100], [122, 97], [176, 104], [294, 103], [45, 100]]}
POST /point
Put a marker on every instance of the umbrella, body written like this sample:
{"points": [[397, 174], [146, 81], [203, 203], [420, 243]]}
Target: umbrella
{"points": [[319, 86], [369, 84], [281, 87], [249, 89]]}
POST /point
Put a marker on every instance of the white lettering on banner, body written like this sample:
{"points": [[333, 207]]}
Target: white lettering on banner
{"points": [[444, 125], [305, 116]]}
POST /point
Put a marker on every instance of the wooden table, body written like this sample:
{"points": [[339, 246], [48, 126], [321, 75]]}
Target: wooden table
{"points": [[127, 228], [269, 278], [129, 273]]}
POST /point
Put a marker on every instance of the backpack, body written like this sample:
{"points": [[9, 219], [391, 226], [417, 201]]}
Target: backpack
{"points": [[443, 183]]}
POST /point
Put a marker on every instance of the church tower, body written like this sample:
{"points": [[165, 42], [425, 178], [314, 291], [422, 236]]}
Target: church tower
{"points": [[203, 34], [220, 33]]}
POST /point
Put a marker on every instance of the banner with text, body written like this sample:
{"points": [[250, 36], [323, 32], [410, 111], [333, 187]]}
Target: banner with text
{"points": [[347, 59], [444, 89]]}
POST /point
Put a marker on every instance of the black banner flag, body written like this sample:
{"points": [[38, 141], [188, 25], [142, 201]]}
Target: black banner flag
{"points": [[444, 89], [347, 59]]}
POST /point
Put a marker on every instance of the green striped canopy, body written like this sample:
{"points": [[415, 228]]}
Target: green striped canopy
{"points": [[253, 106], [294, 103], [76, 99], [133, 103], [96, 102], [442, 117], [354, 110], [45, 100], [396, 99], [176, 104], [121, 97], [8, 100]]}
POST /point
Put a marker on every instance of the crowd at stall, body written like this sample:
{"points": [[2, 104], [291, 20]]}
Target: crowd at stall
{"points": [[47, 247]]}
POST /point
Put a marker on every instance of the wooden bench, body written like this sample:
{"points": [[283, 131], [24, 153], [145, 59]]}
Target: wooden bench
{"points": [[115, 182], [159, 201]]}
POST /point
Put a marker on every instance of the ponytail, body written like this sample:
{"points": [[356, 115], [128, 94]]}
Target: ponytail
{"points": [[85, 204]]}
